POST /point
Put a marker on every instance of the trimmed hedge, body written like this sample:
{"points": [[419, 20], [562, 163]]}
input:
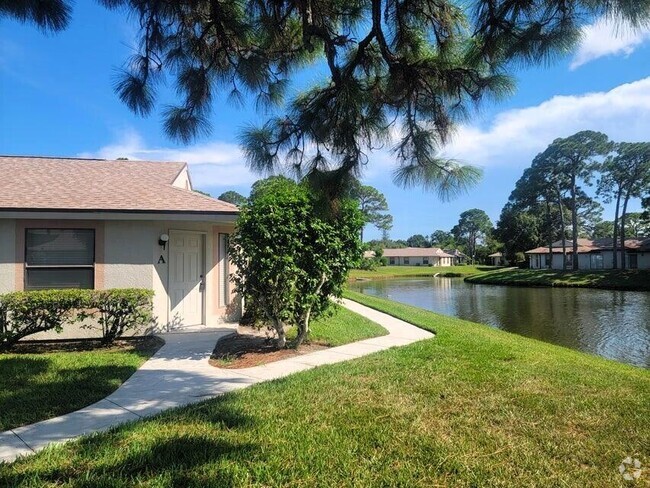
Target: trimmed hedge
{"points": [[28, 312]]}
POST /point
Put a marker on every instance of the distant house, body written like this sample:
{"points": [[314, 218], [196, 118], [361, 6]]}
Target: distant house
{"points": [[369, 254], [418, 256], [459, 257], [592, 254], [497, 259], [98, 224]]}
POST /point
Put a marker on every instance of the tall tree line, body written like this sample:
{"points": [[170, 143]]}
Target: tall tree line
{"points": [[551, 195]]}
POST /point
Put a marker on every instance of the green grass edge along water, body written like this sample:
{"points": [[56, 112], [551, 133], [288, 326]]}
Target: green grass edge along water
{"points": [[473, 406], [387, 272], [612, 279]]}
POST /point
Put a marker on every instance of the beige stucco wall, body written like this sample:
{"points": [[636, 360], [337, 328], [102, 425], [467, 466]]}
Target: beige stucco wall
{"points": [[7, 255], [132, 260], [129, 258], [419, 261], [584, 260]]}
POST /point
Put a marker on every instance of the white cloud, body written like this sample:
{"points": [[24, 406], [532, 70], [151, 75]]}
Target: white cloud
{"points": [[215, 163], [515, 136], [607, 37], [511, 139]]}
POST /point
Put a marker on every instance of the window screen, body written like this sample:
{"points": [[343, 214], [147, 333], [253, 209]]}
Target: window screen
{"points": [[59, 258]]}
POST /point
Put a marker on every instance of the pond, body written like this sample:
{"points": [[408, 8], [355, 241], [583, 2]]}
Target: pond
{"points": [[613, 324]]}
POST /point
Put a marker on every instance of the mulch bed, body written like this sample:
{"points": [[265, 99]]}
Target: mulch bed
{"points": [[143, 343], [249, 348]]}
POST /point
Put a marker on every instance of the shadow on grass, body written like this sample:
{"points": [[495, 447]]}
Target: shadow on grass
{"points": [[34, 388], [169, 449]]}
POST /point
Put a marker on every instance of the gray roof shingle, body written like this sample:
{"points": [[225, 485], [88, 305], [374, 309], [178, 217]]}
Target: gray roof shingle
{"points": [[67, 184]]}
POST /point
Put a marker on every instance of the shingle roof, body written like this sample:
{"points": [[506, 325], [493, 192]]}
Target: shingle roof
{"points": [[455, 252], [593, 245], [416, 252], [66, 184]]}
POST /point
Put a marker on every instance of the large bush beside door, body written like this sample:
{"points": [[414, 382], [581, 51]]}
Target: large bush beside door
{"points": [[28, 312]]}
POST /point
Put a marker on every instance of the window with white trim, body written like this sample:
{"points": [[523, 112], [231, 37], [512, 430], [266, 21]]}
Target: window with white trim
{"points": [[59, 258]]}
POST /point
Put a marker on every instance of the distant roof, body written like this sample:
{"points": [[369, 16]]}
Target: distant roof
{"points": [[496, 255], [455, 252], [69, 184], [413, 252], [594, 245]]}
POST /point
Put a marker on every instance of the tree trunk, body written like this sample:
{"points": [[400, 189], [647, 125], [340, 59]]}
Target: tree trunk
{"points": [[615, 237], [303, 329], [563, 225], [574, 221], [627, 199], [550, 233], [303, 323], [281, 341]]}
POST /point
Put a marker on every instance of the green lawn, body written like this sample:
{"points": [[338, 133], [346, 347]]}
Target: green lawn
{"points": [[473, 407], [633, 279], [342, 327], [36, 387], [384, 272]]}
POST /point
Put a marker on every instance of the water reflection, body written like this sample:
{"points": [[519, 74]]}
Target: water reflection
{"points": [[613, 324]]}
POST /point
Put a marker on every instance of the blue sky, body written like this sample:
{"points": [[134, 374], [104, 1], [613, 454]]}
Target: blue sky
{"points": [[56, 99]]}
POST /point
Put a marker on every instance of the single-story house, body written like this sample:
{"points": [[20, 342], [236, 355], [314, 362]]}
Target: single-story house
{"points": [[459, 257], [497, 259], [418, 256], [100, 224], [592, 254]]}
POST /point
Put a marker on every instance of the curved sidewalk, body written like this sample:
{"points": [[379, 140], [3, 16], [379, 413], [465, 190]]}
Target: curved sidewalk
{"points": [[179, 374]]}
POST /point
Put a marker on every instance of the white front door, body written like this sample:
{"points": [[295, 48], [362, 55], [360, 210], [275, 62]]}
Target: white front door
{"points": [[186, 278]]}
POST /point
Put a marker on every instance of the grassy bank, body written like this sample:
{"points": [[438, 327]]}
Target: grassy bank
{"points": [[342, 327], [633, 279], [385, 272], [472, 407], [36, 387]]}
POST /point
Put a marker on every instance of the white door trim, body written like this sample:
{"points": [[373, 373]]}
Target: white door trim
{"points": [[203, 235]]}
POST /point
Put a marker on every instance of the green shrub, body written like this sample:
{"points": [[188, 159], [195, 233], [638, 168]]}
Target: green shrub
{"points": [[121, 310], [25, 313], [368, 264]]}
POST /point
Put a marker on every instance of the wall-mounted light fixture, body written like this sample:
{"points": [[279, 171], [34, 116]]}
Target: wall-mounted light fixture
{"points": [[163, 240]]}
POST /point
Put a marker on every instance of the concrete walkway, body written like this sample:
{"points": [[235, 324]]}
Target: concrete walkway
{"points": [[179, 374]]}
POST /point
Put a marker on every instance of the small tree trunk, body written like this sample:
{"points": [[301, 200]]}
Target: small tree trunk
{"points": [[615, 237], [303, 329], [550, 232], [627, 199], [281, 341], [303, 323], [563, 225], [574, 221]]}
